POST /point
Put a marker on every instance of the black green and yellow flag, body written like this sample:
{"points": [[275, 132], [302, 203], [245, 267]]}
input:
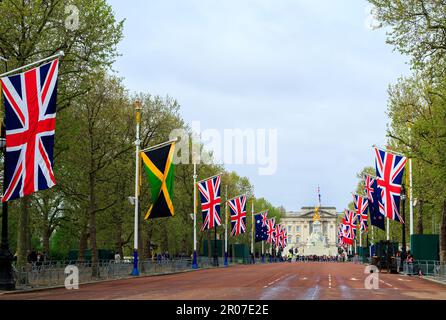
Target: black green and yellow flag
{"points": [[159, 167]]}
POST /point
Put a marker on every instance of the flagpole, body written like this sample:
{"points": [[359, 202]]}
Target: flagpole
{"points": [[411, 199], [59, 54], [135, 271], [226, 226], [360, 239], [388, 230], [252, 232], [194, 259]]}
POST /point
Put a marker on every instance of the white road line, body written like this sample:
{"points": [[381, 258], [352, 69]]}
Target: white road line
{"points": [[273, 282], [386, 283]]}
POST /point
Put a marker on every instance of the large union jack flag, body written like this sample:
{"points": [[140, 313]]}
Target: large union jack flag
{"points": [[361, 205], [271, 225], [237, 207], [30, 113], [389, 172], [210, 202]]}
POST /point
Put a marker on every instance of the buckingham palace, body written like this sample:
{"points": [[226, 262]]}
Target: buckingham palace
{"points": [[311, 231]]}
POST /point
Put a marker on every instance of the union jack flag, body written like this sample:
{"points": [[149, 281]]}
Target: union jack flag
{"points": [[284, 237], [210, 202], [361, 205], [278, 235], [349, 223], [30, 116], [237, 207], [369, 188], [271, 224], [389, 172]]}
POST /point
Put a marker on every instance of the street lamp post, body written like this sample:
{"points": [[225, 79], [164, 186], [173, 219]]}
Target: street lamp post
{"points": [[6, 275]]}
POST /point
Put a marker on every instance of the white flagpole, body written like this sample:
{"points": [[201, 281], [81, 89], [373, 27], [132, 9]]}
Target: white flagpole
{"points": [[137, 162], [360, 239], [252, 231], [59, 54], [388, 229], [226, 225], [411, 197], [410, 187], [194, 261]]}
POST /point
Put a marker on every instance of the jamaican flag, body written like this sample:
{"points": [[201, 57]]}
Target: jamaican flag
{"points": [[159, 168]]}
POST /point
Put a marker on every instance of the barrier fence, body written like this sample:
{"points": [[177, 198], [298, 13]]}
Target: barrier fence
{"points": [[434, 269], [427, 268], [52, 273]]}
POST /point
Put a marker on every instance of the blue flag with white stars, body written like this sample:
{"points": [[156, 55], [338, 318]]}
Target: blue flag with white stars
{"points": [[261, 227]]}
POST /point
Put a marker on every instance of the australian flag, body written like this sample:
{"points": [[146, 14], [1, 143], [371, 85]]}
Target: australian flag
{"points": [[261, 227], [374, 195]]}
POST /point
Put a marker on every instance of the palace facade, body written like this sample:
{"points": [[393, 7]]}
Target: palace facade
{"points": [[300, 228]]}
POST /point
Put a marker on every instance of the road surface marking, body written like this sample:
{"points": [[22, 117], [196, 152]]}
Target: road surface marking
{"points": [[329, 281], [354, 279], [386, 283], [273, 282], [315, 293]]}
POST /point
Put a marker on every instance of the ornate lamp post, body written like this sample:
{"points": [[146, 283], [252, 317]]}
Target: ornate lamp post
{"points": [[6, 275]]}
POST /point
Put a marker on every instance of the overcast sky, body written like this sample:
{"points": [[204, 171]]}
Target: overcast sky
{"points": [[309, 68]]}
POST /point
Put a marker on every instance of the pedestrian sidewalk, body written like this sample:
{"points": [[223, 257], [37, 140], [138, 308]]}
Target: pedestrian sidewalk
{"points": [[433, 279]]}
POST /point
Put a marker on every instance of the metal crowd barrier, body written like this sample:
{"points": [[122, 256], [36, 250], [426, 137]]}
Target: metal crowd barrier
{"points": [[52, 273], [430, 268]]}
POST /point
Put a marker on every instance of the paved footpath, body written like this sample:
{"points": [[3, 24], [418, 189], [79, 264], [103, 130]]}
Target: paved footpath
{"points": [[284, 281]]}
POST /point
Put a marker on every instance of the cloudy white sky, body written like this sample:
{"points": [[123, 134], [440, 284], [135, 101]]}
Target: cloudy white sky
{"points": [[309, 68]]}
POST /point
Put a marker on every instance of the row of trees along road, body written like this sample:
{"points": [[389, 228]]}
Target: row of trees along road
{"points": [[94, 150], [417, 106]]}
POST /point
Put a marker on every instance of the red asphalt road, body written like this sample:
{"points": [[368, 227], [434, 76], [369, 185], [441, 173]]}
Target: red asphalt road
{"points": [[284, 281]]}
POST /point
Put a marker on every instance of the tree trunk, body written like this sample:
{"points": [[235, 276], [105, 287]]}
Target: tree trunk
{"points": [[22, 234], [118, 243], [46, 241], [164, 239], [92, 215], [420, 229], [146, 253], [83, 241], [443, 234], [46, 232]]}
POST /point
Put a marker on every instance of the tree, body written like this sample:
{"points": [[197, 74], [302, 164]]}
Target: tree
{"points": [[418, 30], [36, 29]]}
